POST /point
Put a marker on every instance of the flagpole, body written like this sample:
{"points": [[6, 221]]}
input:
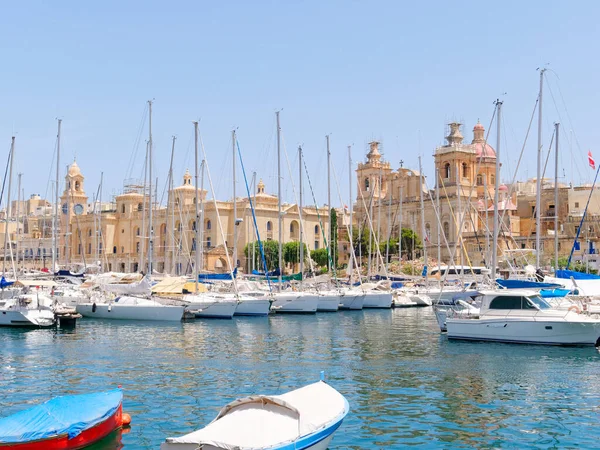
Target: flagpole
{"points": [[591, 161]]}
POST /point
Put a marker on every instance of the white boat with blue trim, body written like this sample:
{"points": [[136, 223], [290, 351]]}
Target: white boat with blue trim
{"points": [[522, 316], [302, 419]]}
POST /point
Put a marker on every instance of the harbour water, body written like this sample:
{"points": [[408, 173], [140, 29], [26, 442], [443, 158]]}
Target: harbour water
{"points": [[407, 385]]}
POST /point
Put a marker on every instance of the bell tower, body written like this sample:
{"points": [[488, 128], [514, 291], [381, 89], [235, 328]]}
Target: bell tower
{"points": [[73, 201]]}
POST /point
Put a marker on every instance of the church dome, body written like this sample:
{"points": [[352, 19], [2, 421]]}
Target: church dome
{"points": [[482, 149], [74, 169]]}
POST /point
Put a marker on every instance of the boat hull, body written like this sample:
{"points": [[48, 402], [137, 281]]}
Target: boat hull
{"points": [[351, 301], [378, 300], [328, 303], [544, 332], [131, 312], [224, 309], [253, 307], [27, 318], [296, 303], [83, 439]]}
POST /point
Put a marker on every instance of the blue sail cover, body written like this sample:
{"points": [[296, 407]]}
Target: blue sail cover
{"points": [[4, 283], [576, 275], [526, 284], [69, 414], [217, 276], [272, 273]]}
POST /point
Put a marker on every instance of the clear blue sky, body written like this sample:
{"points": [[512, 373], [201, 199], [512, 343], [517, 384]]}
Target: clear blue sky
{"points": [[387, 70]]}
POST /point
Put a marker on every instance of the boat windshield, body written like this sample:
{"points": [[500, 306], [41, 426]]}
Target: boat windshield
{"points": [[539, 302]]}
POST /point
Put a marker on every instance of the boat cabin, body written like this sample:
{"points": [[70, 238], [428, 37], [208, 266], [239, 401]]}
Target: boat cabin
{"points": [[512, 300]]}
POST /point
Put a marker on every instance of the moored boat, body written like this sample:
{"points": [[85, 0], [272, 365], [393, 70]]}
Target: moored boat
{"points": [[131, 308], [64, 423], [302, 419]]}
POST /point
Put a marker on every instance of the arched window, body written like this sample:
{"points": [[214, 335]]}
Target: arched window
{"points": [[208, 242], [479, 180], [208, 225], [123, 208], [115, 249], [465, 170], [447, 171], [316, 229], [90, 232], [140, 207], [193, 225], [269, 226], [493, 180], [446, 228], [77, 185], [367, 184], [292, 228], [137, 231]]}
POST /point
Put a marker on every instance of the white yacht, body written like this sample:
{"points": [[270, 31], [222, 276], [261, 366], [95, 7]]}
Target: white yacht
{"points": [[377, 299], [130, 308], [25, 311], [522, 316], [352, 299], [329, 301], [252, 306], [211, 305], [295, 302]]}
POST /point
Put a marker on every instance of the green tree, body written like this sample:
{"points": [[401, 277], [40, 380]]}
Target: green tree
{"points": [[333, 237], [410, 242], [391, 245], [291, 252], [319, 256], [271, 249]]}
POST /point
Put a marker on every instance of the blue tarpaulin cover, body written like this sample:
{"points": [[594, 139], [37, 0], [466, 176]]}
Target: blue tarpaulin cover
{"points": [[217, 276], [526, 284], [576, 275], [4, 283], [69, 414]]}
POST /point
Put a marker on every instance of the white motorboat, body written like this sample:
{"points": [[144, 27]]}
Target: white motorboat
{"points": [[377, 299], [295, 302], [209, 305], [408, 300], [252, 306], [130, 308], [352, 299], [25, 311], [522, 316], [302, 419]]}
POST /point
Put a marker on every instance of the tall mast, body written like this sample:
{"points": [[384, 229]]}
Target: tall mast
{"points": [[68, 222], [279, 199], [423, 230], [496, 193], [235, 220], [150, 227], [300, 209], [142, 236], [328, 203], [487, 221], [389, 227], [350, 238], [170, 210], [18, 217], [400, 229], [7, 215], [556, 127], [439, 221], [254, 240], [197, 205], [538, 192], [379, 215], [55, 215], [200, 240]]}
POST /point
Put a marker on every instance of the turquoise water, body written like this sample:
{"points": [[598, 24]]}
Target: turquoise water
{"points": [[407, 385]]}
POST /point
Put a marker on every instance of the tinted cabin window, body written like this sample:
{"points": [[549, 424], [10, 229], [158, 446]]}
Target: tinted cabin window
{"points": [[507, 302]]}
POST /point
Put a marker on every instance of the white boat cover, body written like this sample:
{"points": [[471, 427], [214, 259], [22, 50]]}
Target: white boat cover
{"points": [[264, 421], [141, 287]]}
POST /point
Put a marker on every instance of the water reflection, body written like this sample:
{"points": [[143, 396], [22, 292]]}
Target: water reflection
{"points": [[406, 383]]}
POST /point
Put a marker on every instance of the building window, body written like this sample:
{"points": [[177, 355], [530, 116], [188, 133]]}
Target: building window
{"points": [[137, 231], [178, 226], [316, 245], [493, 179], [79, 249], [193, 244], [367, 184], [100, 248], [447, 171], [576, 204], [89, 248], [427, 231], [465, 170], [208, 225], [89, 233], [77, 185], [479, 180], [137, 247], [446, 228], [193, 225], [140, 207], [115, 249], [123, 209], [316, 229], [269, 226], [208, 242]]}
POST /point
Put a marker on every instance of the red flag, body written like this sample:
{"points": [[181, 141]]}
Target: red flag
{"points": [[591, 160]]}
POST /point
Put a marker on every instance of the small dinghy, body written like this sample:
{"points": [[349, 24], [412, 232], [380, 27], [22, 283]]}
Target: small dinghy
{"points": [[64, 423], [302, 419]]}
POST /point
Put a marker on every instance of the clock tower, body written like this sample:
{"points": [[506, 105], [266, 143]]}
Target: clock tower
{"points": [[73, 202]]}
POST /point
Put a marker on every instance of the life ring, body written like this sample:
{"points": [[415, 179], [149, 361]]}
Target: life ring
{"points": [[575, 308]]}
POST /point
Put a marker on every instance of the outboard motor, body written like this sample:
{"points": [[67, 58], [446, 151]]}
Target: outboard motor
{"points": [[539, 275]]}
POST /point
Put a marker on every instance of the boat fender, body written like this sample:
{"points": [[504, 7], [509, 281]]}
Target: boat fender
{"points": [[126, 420], [575, 308], [94, 307]]}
